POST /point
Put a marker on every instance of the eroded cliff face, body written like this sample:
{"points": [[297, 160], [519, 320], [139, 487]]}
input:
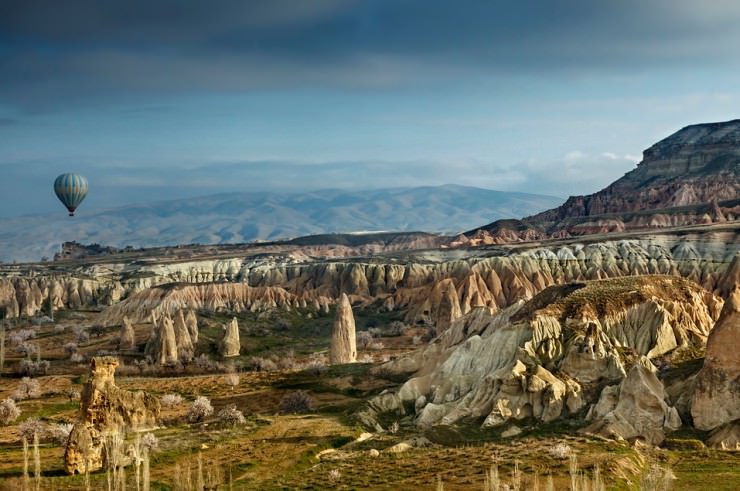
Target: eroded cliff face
{"points": [[549, 357], [679, 182], [433, 287]]}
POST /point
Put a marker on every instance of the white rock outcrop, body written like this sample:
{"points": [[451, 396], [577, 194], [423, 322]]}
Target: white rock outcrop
{"points": [[343, 347]]}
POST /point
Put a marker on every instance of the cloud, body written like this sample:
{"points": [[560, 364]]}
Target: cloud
{"points": [[89, 48]]}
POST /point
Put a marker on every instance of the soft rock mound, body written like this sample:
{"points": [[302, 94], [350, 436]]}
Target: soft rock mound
{"points": [[105, 409], [185, 349], [717, 391], [343, 348], [230, 344], [636, 409], [549, 357]]}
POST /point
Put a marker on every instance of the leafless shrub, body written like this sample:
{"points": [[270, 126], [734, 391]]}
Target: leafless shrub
{"points": [[232, 380], [396, 328], [77, 358], [20, 336], [377, 346], [205, 364], [287, 361], [59, 328], [150, 441], [231, 416], [561, 451], [335, 476], [26, 349], [27, 388], [9, 411], [417, 340], [71, 348], [81, 335], [59, 432], [170, 400], [364, 339], [200, 409], [296, 402], [30, 427], [32, 368]]}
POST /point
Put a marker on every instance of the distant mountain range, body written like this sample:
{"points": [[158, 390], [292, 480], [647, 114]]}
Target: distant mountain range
{"points": [[244, 217]]}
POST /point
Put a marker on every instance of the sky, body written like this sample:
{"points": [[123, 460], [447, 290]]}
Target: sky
{"points": [[170, 99]]}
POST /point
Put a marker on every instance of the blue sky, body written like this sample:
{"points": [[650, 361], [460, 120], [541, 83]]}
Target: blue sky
{"points": [[168, 99]]}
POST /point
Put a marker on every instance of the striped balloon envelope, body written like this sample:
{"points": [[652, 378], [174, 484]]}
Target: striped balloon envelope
{"points": [[71, 189]]}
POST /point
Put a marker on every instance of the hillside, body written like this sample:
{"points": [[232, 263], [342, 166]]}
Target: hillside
{"points": [[243, 217], [690, 177]]}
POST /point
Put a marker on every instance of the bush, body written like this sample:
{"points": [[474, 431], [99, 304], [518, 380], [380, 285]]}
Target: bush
{"points": [[561, 451], [150, 441], [71, 348], [296, 402], [364, 339], [27, 389], [30, 427], [77, 358], [9, 411], [171, 400], [59, 432], [231, 416], [31, 368], [200, 409]]}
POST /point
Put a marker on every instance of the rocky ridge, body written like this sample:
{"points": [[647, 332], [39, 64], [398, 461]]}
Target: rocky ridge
{"points": [[691, 177], [559, 354]]}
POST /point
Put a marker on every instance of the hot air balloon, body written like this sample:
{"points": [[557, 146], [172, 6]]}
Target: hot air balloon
{"points": [[71, 189]]}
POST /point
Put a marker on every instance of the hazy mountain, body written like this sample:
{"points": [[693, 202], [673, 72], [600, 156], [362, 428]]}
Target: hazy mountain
{"points": [[243, 217]]}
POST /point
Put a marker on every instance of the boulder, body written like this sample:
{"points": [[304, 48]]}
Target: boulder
{"points": [[343, 347]]}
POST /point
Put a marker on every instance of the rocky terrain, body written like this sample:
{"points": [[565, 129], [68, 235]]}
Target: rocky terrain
{"points": [[690, 177], [583, 349]]}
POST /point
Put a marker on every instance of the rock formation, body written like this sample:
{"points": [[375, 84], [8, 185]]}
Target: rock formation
{"points": [[716, 401], [679, 182], [230, 344], [191, 321], [634, 409], [549, 357], [105, 409], [167, 350], [343, 348], [185, 349], [127, 339]]}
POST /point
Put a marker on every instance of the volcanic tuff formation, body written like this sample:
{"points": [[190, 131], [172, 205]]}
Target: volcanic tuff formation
{"points": [[716, 402], [127, 338], [105, 409], [230, 344], [680, 181], [551, 356], [343, 347]]}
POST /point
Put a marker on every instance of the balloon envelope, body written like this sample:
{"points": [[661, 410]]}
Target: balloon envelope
{"points": [[71, 189]]}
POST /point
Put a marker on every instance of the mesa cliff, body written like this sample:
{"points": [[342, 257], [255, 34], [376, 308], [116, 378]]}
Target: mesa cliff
{"points": [[691, 177]]}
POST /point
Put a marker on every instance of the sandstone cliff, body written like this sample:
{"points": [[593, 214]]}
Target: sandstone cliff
{"points": [[105, 409]]}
